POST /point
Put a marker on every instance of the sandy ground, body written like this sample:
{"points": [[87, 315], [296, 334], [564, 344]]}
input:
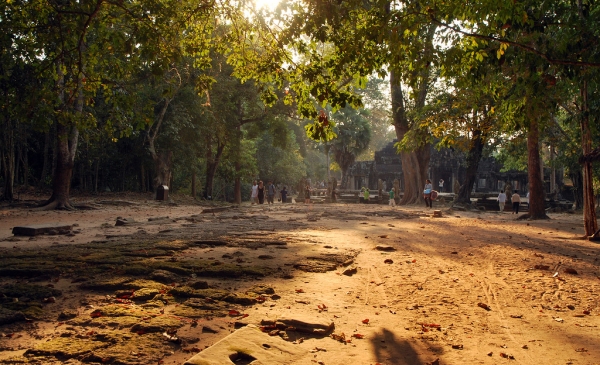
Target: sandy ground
{"points": [[467, 288]]}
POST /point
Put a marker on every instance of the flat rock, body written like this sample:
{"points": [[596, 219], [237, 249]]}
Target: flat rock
{"points": [[165, 277], [253, 346], [385, 248], [214, 210], [350, 271], [306, 324], [37, 229], [124, 221]]}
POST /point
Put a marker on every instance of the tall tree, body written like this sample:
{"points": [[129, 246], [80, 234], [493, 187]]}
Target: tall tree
{"points": [[353, 136]]}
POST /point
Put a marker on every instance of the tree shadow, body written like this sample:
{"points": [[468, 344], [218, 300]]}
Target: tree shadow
{"points": [[391, 350]]}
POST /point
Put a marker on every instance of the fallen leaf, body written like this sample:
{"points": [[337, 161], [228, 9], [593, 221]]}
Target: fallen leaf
{"points": [[365, 321], [358, 335], [388, 261], [457, 347], [95, 314], [383, 236], [541, 267], [571, 271], [234, 313], [299, 290]]}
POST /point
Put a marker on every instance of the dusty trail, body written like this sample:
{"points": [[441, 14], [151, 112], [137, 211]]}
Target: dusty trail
{"points": [[421, 307]]}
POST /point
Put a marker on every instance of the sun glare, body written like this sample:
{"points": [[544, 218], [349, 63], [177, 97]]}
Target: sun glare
{"points": [[268, 4]]}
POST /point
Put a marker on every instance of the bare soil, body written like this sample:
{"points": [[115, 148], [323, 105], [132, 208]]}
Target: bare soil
{"points": [[466, 288]]}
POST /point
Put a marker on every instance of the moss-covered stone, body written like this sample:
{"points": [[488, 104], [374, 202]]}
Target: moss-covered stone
{"points": [[29, 292], [200, 310], [242, 299], [68, 347], [157, 324], [8, 316], [144, 294], [189, 292]]}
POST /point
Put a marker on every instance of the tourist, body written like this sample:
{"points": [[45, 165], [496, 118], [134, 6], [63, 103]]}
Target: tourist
{"points": [[501, 200], [441, 184], [283, 194], [392, 200], [270, 192], [427, 194], [307, 194], [516, 200], [261, 192], [254, 196], [366, 195]]}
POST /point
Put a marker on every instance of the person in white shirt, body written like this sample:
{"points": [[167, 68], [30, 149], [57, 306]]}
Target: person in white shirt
{"points": [[516, 200], [254, 196], [501, 201]]}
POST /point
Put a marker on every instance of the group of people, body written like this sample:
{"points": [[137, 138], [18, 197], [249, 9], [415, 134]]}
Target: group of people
{"points": [[259, 191], [515, 198]]}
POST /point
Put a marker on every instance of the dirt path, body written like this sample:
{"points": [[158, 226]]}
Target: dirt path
{"points": [[468, 288]]}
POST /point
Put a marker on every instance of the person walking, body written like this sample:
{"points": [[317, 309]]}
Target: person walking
{"points": [[283, 194], [366, 195], [427, 194], [307, 194], [516, 200], [501, 200], [392, 200], [254, 195], [270, 192], [261, 192]]}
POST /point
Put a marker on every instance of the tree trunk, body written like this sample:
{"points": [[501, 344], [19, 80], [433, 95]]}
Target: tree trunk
{"points": [[537, 209], [162, 162], [414, 164], [212, 162], [194, 184], [142, 178], [8, 159], [473, 159], [237, 188], [46, 164], [67, 136], [65, 158], [96, 176], [590, 222], [577, 179]]}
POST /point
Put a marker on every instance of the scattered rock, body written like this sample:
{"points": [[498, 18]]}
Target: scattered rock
{"points": [[207, 329], [199, 285], [350, 271], [385, 248], [262, 289], [164, 276], [67, 314], [305, 324], [124, 221], [38, 229]]}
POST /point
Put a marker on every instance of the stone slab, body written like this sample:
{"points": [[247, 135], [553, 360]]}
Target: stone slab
{"points": [[37, 229], [307, 324], [249, 342]]}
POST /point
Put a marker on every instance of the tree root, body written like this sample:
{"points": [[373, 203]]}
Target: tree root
{"points": [[595, 237], [55, 204], [528, 217]]}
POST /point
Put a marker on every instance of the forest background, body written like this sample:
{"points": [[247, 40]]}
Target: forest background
{"points": [[130, 94]]}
